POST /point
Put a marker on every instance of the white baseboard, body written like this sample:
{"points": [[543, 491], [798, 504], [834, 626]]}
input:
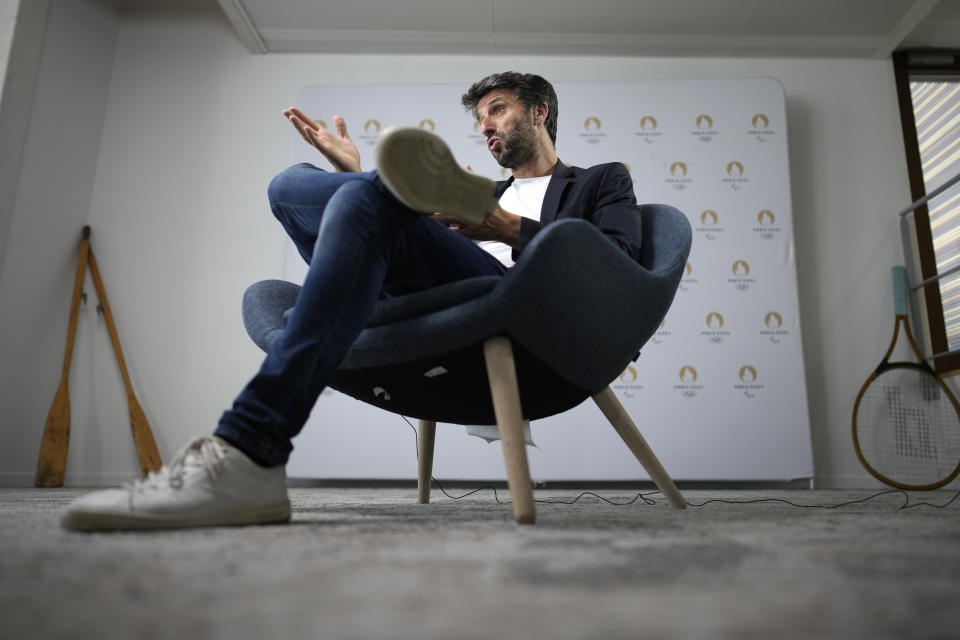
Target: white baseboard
{"points": [[25, 479], [864, 482], [848, 482]]}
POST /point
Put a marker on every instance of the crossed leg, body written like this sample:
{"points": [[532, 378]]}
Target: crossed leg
{"points": [[360, 244]]}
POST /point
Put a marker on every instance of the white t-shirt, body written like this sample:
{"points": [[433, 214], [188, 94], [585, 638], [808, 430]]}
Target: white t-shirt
{"points": [[523, 197]]}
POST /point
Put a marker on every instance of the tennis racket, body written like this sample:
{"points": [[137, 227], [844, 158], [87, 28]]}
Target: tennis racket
{"points": [[906, 422]]}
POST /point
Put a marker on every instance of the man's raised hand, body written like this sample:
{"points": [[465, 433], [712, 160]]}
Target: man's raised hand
{"points": [[339, 149]]}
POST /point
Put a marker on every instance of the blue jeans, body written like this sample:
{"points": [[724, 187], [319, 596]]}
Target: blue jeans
{"points": [[361, 244]]}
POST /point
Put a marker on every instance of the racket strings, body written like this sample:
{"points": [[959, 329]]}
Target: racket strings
{"points": [[907, 427], [911, 426]]}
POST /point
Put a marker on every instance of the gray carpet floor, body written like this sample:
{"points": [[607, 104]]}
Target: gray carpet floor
{"points": [[370, 563]]}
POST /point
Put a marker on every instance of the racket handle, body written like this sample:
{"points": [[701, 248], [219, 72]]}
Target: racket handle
{"points": [[900, 290]]}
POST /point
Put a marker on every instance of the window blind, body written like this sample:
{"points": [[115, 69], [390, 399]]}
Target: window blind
{"points": [[936, 108]]}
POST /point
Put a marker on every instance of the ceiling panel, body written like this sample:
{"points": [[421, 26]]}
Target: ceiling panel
{"points": [[935, 35], [363, 15], [825, 18], [621, 16], [822, 28], [946, 11], [940, 29]]}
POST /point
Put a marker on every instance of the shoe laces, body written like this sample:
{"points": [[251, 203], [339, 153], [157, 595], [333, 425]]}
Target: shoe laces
{"points": [[204, 451]]}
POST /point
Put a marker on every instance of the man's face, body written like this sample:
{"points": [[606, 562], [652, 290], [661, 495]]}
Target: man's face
{"points": [[508, 126]]}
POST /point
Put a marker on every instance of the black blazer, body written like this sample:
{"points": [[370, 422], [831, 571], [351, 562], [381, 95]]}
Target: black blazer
{"points": [[602, 194]]}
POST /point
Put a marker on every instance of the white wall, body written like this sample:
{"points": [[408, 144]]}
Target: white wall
{"points": [[50, 205], [21, 35], [191, 136]]}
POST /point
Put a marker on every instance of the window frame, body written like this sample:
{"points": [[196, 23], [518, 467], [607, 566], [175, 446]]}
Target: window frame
{"points": [[919, 65]]}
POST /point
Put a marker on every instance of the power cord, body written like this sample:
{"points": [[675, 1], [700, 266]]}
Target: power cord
{"points": [[906, 501], [645, 497]]}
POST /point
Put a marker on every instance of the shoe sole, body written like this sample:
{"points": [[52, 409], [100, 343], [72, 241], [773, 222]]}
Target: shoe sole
{"points": [[420, 170], [100, 521]]}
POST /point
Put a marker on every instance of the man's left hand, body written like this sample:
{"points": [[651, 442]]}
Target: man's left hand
{"points": [[499, 225]]}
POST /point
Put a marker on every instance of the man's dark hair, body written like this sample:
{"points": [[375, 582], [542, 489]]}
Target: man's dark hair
{"points": [[531, 89]]}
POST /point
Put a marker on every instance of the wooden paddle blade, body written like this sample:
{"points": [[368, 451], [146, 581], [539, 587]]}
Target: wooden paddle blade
{"points": [[147, 451], [52, 463]]}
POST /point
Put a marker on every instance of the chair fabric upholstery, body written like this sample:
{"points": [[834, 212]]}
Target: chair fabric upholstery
{"points": [[576, 308]]}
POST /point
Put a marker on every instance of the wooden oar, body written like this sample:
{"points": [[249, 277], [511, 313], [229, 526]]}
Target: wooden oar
{"points": [[52, 462], [146, 446]]}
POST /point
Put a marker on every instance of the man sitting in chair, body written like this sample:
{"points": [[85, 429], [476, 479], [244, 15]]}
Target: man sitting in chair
{"points": [[365, 236]]}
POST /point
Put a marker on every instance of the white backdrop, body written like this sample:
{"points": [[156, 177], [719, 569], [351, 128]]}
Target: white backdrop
{"points": [[719, 391]]}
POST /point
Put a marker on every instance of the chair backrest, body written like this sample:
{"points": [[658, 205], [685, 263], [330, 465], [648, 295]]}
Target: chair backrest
{"points": [[586, 308], [667, 238]]}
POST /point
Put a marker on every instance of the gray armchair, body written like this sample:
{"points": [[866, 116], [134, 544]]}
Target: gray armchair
{"points": [[555, 330]]}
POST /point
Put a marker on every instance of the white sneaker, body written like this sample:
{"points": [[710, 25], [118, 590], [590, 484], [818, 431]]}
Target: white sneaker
{"points": [[420, 170], [208, 483]]}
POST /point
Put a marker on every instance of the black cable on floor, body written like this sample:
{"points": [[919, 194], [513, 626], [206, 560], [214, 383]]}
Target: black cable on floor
{"points": [[645, 497], [906, 504]]}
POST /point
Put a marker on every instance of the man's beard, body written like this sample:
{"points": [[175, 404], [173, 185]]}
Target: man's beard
{"points": [[519, 144]]}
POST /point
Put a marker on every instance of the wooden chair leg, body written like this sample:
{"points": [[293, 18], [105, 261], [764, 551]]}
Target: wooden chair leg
{"points": [[502, 374], [425, 437], [621, 421]]}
